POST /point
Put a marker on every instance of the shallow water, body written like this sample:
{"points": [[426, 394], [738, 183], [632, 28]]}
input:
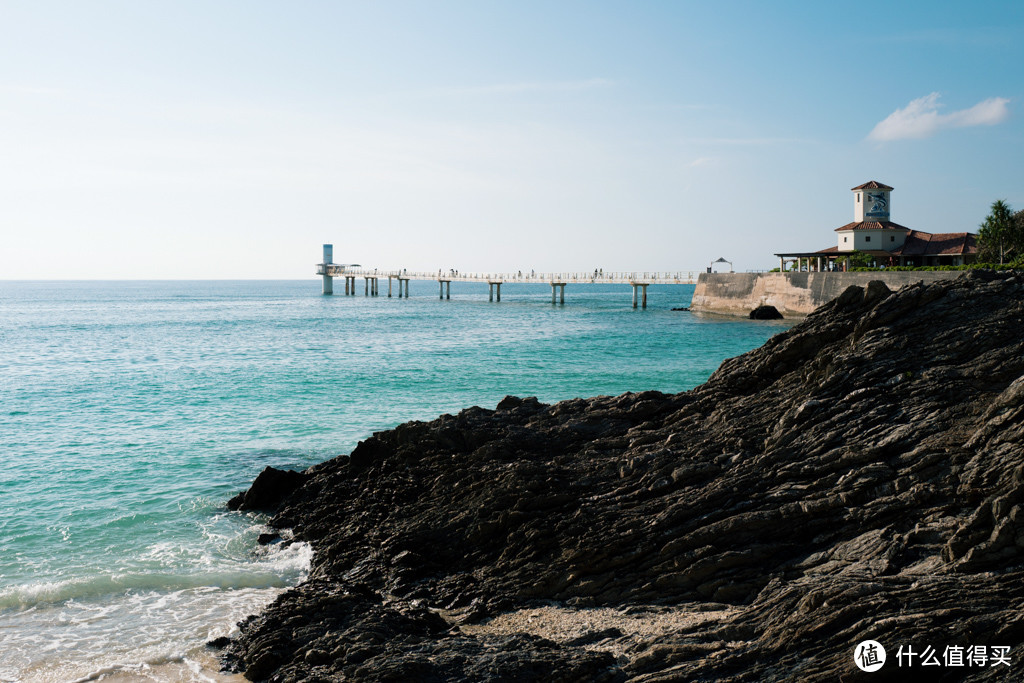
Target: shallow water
{"points": [[131, 411]]}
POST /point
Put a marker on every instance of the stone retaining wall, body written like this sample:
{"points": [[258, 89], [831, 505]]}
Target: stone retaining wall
{"points": [[793, 294]]}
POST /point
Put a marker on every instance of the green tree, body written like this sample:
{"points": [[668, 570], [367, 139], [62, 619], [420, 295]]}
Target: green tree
{"points": [[861, 259], [1018, 224], [1000, 237]]}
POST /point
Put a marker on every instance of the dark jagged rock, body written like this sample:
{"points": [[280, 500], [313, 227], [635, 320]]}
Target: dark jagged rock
{"points": [[271, 487], [860, 476], [765, 312]]}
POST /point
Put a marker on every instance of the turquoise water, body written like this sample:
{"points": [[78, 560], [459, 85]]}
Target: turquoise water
{"points": [[131, 411]]}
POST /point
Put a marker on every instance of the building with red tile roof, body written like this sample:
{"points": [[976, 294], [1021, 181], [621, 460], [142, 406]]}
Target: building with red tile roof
{"points": [[891, 244]]}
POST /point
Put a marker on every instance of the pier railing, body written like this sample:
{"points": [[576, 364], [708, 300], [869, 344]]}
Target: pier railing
{"points": [[678, 277]]}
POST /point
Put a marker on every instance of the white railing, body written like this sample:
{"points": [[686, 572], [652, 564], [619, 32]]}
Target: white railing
{"points": [[593, 277]]}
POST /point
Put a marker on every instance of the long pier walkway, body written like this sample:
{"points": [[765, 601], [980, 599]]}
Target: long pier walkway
{"points": [[639, 281]]}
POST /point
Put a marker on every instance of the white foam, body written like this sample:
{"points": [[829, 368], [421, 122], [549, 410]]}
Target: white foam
{"points": [[275, 569], [130, 627]]}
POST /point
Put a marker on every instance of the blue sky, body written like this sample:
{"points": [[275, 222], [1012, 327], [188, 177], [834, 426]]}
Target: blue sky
{"points": [[231, 139]]}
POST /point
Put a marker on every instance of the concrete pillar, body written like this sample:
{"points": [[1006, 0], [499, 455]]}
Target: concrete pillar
{"points": [[634, 296], [407, 288], [553, 287], [440, 294], [490, 291], [448, 289], [366, 289], [782, 265], [346, 286], [561, 298], [498, 287], [389, 286], [328, 259], [819, 264], [645, 295]]}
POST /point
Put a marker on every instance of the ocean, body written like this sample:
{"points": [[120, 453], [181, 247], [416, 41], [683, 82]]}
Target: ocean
{"points": [[131, 411]]}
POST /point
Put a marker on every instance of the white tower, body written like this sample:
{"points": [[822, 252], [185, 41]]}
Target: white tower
{"points": [[871, 202], [325, 268]]}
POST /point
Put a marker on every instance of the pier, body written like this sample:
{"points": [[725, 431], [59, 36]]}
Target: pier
{"points": [[639, 281]]}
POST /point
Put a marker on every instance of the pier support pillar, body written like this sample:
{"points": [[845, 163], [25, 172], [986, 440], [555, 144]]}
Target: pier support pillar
{"points": [[490, 291], [642, 298], [328, 284], [366, 290], [448, 289], [498, 287], [558, 287], [346, 286], [389, 286]]}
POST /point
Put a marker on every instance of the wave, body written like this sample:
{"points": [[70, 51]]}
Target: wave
{"points": [[280, 569]]}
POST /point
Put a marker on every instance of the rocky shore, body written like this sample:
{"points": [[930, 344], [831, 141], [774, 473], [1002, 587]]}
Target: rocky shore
{"points": [[860, 476]]}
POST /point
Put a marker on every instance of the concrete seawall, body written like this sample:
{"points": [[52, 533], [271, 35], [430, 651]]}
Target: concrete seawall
{"points": [[793, 294]]}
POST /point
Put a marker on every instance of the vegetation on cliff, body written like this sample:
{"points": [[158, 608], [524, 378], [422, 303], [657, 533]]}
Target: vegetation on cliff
{"points": [[860, 476]]}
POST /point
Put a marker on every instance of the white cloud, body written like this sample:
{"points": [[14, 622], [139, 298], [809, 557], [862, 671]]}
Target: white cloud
{"points": [[921, 118]]}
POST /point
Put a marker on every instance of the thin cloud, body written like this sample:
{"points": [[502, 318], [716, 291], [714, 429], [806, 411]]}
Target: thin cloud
{"points": [[743, 141], [526, 87], [545, 86], [921, 118], [32, 90]]}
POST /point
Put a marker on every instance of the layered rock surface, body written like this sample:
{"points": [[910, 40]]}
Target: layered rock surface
{"points": [[860, 476]]}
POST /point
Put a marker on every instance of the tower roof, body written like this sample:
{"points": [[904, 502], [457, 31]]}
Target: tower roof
{"points": [[871, 185]]}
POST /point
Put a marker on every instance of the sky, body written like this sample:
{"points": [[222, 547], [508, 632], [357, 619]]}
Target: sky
{"points": [[232, 139]]}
